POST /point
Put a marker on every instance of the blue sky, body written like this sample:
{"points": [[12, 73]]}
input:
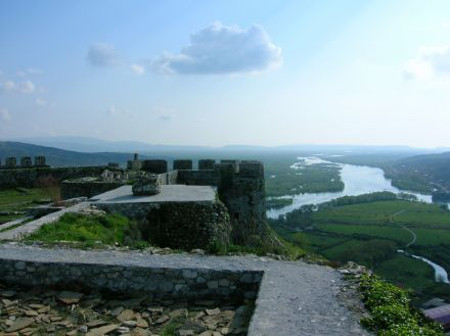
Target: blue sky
{"points": [[227, 72]]}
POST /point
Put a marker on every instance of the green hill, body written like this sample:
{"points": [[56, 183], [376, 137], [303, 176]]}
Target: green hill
{"points": [[421, 173], [59, 157]]}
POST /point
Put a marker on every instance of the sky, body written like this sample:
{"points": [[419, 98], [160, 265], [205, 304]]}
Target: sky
{"points": [[210, 72]]}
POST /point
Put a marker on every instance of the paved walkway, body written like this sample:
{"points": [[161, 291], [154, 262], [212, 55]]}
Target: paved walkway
{"points": [[295, 298]]}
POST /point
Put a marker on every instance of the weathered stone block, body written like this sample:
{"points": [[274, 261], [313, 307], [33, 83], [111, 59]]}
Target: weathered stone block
{"points": [[146, 186]]}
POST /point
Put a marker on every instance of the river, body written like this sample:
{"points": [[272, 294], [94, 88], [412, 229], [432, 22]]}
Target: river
{"points": [[358, 180]]}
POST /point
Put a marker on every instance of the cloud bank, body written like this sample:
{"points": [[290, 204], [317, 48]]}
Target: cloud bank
{"points": [[102, 55], [220, 49], [431, 63]]}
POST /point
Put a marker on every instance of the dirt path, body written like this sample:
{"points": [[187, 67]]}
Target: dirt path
{"points": [[391, 220]]}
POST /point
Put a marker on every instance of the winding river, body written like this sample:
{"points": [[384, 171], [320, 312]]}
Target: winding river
{"points": [[357, 180]]}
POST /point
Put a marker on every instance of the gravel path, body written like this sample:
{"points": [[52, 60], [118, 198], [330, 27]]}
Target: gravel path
{"points": [[295, 298]]}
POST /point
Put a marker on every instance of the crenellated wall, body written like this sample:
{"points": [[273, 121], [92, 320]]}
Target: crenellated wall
{"points": [[29, 177]]}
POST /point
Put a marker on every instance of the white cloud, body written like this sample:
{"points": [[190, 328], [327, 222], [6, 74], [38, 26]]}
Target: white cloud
{"points": [[4, 114], [137, 69], [26, 87], [102, 55], [431, 63], [41, 102], [9, 86], [220, 49]]}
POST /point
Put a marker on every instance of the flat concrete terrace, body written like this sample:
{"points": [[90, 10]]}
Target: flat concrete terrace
{"points": [[294, 298], [169, 193]]}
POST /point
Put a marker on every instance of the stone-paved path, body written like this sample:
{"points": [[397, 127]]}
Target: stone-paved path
{"points": [[295, 298]]}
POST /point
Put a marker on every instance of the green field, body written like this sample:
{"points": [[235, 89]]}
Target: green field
{"points": [[14, 201], [370, 233]]}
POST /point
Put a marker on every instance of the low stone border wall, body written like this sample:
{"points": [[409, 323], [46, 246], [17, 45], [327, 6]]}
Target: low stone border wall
{"points": [[293, 298], [161, 283]]}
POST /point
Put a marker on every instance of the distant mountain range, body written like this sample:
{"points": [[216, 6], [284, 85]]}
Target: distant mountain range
{"points": [[92, 145], [79, 151], [60, 157]]}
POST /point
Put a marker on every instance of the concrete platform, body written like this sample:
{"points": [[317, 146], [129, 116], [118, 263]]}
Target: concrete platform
{"points": [[169, 193]]}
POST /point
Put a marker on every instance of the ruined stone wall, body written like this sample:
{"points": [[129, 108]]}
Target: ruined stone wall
{"points": [[185, 225], [73, 189], [241, 187], [161, 282], [29, 177]]}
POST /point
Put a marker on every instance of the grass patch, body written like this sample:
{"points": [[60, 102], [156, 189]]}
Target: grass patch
{"points": [[391, 311], [15, 201], [109, 229], [406, 272]]}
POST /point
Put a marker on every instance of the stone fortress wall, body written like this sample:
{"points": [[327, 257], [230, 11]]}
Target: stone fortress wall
{"points": [[240, 186], [156, 280]]}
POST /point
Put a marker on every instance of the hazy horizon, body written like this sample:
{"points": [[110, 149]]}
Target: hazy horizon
{"points": [[206, 73]]}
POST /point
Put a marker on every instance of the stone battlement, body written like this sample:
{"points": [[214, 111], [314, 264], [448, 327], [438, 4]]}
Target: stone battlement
{"points": [[25, 162]]}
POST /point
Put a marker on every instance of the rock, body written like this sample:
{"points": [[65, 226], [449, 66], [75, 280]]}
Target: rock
{"points": [[116, 311], [95, 323], [214, 311], [157, 310], [183, 332], [83, 329], [198, 251], [103, 330], [130, 324], [44, 309], [140, 332], [178, 312], [162, 319], [126, 315], [72, 333], [7, 303], [123, 330], [31, 313], [206, 333], [68, 297], [19, 324], [146, 186], [226, 331], [141, 323]]}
